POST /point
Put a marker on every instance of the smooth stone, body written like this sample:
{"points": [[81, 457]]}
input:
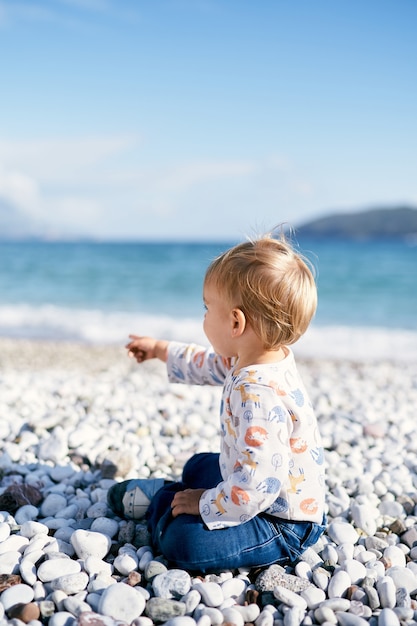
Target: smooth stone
{"points": [[125, 563], [386, 592], [26, 513], [173, 583], [10, 562], [55, 568], [338, 584], [215, 615], [4, 531], [27, 571], [350, 619], [91, 618], [16, 594], [98, 509], [394, 556], [388, 617], [30, 528], [233, 588], [14, 543], [75, 605], [105, 525], [265, 618], [337, 604], [25, 612], [52, 504], [191, 600], [402, 597], [141, 621], [403, 577], [94, 565], [313, 597], [163, 609], [70, 583], [62, 618], [181, 621], [294, 616], [329, 554], [87, 543], [211, 593], [342, 532], [290, 598], [231, 616], [321, 578], [355, 570], [100, 582], [122, 602], [153, 568], [373, 597], [303, 570], [365, 517], [325, 615], [249, 612]]}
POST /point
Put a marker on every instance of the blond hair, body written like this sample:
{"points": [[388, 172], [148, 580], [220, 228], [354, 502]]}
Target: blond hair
{"points": [[271, 283]]}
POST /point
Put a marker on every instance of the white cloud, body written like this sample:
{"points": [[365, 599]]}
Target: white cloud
{"points": [[19, 190], [104, 185]]}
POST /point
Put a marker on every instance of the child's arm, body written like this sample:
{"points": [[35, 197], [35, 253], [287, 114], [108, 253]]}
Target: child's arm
{"points": [[144, 348]]}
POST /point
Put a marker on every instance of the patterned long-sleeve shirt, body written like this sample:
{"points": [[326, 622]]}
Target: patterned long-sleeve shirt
{"points": [[271, 456]]}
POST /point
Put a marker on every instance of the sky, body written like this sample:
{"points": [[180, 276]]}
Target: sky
{"points": [[203, 119]]}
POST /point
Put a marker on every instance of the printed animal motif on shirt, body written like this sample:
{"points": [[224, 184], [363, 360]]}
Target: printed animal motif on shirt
{"points": [[309, 506], [295, 481], [248, 397], [256, 436], [239, 496], [250, 377], [230, 430], [298, 445], [249, 461], [277, 414], [274, 385], [269, 485], [218, 502]]}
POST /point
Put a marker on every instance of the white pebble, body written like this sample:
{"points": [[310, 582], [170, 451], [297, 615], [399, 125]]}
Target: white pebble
{"points": [[16, 594], [54, 568], [87, 543], [62, 618], [122, 602], [211, 593], [231, 615], [4, 531], [290, 598], [70, 583], [338, 584], [342, 532]]}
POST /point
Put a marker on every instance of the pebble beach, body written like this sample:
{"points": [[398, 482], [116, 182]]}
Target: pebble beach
{"points": [[75, 418]]}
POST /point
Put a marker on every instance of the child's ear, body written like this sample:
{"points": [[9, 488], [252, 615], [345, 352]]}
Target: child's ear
{"points": [[238, 322]]}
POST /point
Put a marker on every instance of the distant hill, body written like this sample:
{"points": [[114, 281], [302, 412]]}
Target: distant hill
{"points": [[398, 222]]}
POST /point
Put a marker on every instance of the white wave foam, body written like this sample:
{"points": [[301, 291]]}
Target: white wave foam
{"points": [[97, 326]]}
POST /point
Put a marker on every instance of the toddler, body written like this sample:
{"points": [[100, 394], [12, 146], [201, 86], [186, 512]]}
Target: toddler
{"points": [[261, 499]]}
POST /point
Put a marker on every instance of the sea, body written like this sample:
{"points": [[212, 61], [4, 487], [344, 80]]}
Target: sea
{"points": [[100, 292]]}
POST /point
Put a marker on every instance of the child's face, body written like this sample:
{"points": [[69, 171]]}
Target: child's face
{"points": [[218, 321]]}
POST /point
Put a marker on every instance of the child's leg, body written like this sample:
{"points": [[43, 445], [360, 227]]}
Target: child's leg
{"points": [[202, 471], [188, 544]]}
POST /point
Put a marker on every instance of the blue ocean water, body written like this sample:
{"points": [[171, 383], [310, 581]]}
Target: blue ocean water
{"points": [[101, 292]]}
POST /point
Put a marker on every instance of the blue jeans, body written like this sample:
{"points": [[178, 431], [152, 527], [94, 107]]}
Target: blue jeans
{"points": [[188, 544]]}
